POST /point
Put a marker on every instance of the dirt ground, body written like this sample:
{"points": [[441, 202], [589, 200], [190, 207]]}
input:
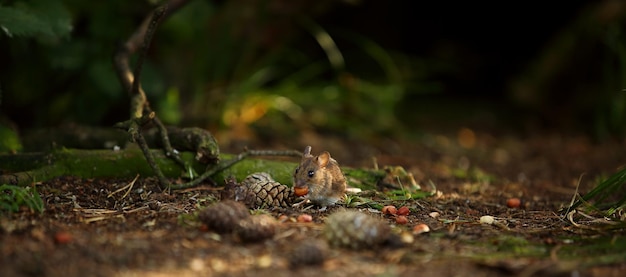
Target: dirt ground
{"points": [[92, 228]]}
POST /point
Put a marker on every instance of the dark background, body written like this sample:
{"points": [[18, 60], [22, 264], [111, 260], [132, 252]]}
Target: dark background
{"points": [[515, 65]]}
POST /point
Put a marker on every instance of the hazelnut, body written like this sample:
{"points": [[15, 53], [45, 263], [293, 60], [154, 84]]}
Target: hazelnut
{"points": [[390, 209], [303, 218], [63, 237], [300, 191], [403, 210], [513, 203], [402, 219]]}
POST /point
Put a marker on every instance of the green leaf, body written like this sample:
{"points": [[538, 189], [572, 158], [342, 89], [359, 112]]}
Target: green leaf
{"points": [[43, 19]]}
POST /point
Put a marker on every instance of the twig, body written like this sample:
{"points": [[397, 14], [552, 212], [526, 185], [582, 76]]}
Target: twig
{"points": [[141, 141], [576, 195], [157, 16], [141, 111], [129, 186], [131, 81], [224, 165], [286, 153]]}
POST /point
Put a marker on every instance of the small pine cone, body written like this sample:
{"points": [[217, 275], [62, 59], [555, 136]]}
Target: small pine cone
{"points": [[256, 228], [356, 230], [311, 252], [230, 188], [259, 190], [224, 216]]}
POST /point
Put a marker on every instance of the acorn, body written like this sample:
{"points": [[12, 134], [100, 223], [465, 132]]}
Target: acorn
{"points": [[256, 228], [356, 230], [259, 190], [224, 216]]}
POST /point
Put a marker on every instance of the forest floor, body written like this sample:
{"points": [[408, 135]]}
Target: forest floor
{"points": [[92, 228]]}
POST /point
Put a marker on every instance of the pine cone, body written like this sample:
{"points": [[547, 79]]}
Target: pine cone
{"points": [[259, 190], [224, 216], [356, 230], [310, 252], [256, 228]]}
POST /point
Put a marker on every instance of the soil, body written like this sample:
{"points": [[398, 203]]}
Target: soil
{"points": [[104, 227]]}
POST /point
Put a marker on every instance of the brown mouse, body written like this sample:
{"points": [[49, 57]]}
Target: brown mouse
{"points": [[319, 178]]}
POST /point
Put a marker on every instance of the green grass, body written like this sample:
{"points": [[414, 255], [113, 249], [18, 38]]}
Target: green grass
{"points": [[12, 198], [607, 197]]}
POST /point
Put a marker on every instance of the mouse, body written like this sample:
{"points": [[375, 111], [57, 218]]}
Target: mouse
{"points": [[319, 179]]}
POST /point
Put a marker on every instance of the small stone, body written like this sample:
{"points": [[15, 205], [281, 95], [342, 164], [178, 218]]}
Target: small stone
{"points": [[420, 229], [487, 219], [434, 214]]}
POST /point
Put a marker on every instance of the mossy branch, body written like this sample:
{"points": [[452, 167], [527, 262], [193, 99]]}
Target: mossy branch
{"points": [[28, 168]]}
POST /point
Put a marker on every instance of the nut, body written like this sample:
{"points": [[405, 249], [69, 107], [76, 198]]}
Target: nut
{"points": [[300, 191], [390, 209], [402, 219], [403, 211]]}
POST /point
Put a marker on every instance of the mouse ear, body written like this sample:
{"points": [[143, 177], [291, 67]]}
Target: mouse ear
{"points": [[322, 159], [307, 152]]}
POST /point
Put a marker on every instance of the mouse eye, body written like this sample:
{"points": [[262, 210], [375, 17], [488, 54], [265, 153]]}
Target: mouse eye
{"points": [[311, 173], [297, 168]]}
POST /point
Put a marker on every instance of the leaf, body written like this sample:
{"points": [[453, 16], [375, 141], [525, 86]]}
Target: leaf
{"points": [[43, 19]]}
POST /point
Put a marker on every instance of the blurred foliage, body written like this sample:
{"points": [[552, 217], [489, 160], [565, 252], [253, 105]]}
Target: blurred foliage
{"points": [[269, 68], [215, 65], [40, 19], [10, 141], [611, 108]]}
